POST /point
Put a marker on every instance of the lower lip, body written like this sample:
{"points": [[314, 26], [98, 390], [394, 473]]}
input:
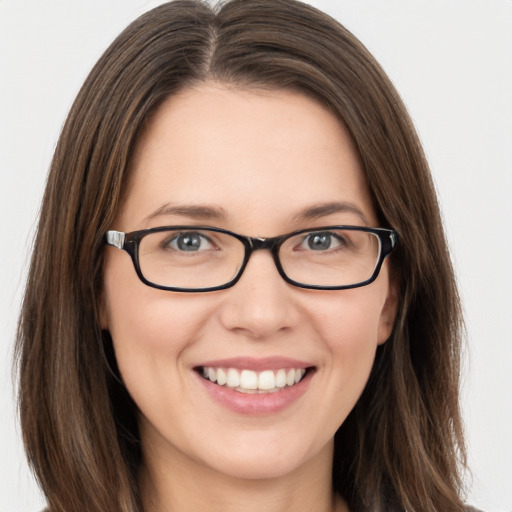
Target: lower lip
{"points": [[256, 404]]}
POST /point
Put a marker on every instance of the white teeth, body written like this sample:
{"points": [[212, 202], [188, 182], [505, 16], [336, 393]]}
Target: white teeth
{"points": [[281, 379], [248, 379], [221, 377], [251, 381], [233, 378], [267, 380]]}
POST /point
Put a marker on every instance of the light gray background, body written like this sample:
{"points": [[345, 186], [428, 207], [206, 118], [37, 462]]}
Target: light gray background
{"points": [[451, 61]]}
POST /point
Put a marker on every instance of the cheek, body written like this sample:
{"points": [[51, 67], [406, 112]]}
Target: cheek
{"points": [[352, 345], [150, 328], [349, 329], [349, 321], [152, 340]]}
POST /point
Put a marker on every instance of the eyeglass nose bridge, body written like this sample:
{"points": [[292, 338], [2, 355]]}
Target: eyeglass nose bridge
{"points": [[260, 243], [271, 244], [257, 243]]}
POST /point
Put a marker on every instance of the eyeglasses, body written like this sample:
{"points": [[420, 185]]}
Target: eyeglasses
{"points": [[203, 259]]}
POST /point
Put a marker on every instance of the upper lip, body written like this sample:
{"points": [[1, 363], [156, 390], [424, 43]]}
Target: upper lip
{"points": [[256, 364]]}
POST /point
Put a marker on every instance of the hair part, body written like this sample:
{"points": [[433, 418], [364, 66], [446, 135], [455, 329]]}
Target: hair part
{"points": [[402, 446]]}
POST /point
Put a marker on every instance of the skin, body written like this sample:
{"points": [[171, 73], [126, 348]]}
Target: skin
{"points": [[259, 157]]}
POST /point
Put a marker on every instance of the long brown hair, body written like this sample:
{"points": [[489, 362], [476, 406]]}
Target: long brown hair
{"points": [[401, 448]]}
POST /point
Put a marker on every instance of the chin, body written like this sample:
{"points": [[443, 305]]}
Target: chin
{"points": [[265, 459], [257, 467]]}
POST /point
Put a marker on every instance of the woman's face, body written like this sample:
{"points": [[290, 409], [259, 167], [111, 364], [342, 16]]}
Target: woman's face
{"points": [[263, 164]]}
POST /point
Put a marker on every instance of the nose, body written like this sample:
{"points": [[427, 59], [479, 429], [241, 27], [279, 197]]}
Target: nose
{"points": [[261, 304]]}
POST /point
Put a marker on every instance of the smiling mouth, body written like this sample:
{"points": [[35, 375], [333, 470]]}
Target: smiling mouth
{"points": [[251, 382]]}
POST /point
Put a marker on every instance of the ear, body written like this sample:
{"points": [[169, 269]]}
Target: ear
{"points": [[102, 311], [388, 314]]}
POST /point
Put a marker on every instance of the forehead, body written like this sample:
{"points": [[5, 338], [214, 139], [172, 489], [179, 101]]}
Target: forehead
{"points": [[248, 152]]}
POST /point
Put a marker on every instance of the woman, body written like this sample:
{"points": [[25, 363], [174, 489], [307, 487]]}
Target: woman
{"points": [[168, 361]]}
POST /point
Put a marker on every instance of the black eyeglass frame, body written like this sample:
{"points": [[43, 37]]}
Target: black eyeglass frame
{"points": [[129, 242]]}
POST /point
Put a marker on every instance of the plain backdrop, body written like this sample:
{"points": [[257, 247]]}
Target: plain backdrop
{"points": [[452, 62]]}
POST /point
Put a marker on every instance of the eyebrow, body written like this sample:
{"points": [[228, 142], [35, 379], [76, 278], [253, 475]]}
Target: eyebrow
{"points": [[192, 211], [323, 210], [310, 213]]}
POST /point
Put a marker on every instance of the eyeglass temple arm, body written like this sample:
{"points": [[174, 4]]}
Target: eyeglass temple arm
{"points": [[116, 238], [392, 242]]}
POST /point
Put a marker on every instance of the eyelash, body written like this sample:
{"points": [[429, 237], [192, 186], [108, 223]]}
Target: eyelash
{"points": [[166, 244]]}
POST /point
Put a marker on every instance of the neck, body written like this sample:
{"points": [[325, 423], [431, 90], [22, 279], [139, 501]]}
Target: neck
{"points": [[185, 485]]}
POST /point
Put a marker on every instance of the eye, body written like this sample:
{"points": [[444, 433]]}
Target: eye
{"points": [[322, 241], [191, 241]]}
